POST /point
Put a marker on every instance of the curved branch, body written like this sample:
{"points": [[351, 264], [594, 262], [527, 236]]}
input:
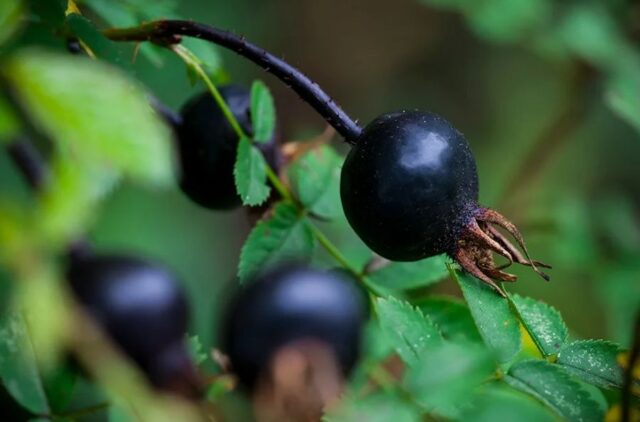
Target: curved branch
{"points": [[168, 32]]}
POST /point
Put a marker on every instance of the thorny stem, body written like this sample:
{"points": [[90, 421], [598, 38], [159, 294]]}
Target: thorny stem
{"points": [[168, 32], [193, 62]]}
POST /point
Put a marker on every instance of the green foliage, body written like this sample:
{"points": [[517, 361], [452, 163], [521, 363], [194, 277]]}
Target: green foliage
{"points": [[593, 361], [496, 323], [315, 179], [250, 173], [282, 237], [411, 275], [543, 322], [263, 112], [461, 360], [452, 317], [94, 112], [499, 403], [18, 367], [11, 14], [197, 351], [447, 374], [556, 389], [408, 329], [374, 408]]}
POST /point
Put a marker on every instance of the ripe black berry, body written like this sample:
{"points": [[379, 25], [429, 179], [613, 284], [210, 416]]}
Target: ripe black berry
{"points": [[207, 147], [290, 305], [409, 189], [142, 308]]}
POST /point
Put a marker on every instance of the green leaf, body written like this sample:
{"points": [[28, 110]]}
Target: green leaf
{"points": [[196, 350], [411, 275], [263, 112], [411, 332], [501, 403], [496, 322], [11, 14], [543, 322], [556, 389], [373, 408], [447, 374], [93, 112], [68, 205], [452, 317], [102, 47], [59, 386], [621, 99], [315, 179], [285, 236], [9, 122], [250, 173], [18, 367], [593, 361], [508, 20]]}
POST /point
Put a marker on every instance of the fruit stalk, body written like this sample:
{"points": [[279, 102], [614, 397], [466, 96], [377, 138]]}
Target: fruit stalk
{"points": [[168, 32]]}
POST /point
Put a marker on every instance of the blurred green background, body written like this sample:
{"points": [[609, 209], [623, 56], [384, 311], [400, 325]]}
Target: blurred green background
{"points": [[551, 155]]}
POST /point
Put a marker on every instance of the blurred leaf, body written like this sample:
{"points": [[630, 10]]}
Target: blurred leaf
{"points": [[593, 361], [411, 275], [622, 98], [590, 32], [543, 322], [9, 123], [11, 16], [555, 388], [250, 173], [500, 403], [59, 386], [209, 57], [94, 112], [115, 13], [509, 20], [411, 332], [496, 322], [376, 343], [90, 35], [18, 367], [446, 375], [68, 205], [619, 290], [263, 112], [373, 408], [196, 350], [315, 178], [282, 237], [452, 317]]}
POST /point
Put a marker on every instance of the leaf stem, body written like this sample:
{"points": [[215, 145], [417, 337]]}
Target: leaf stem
{"points": [[168, 32], [192, 61]]}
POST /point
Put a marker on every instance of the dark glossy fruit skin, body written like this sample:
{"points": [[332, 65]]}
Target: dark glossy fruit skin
{"points": [[139, 305], [409, 185], [293, 304], [207, 147]]}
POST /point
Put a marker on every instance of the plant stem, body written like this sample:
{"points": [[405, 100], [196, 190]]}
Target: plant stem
{"points": [[192, 61], [168, 32]]}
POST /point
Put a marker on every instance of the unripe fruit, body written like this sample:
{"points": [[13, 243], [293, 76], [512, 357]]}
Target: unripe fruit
{"points": [[409, 189], [141, 307], [208, 144], [290, 305]]}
